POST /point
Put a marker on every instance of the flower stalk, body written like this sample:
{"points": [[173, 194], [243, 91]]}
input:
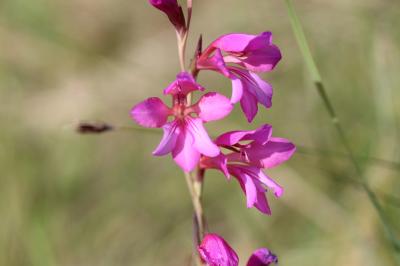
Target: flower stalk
{"points": [[241, 58]]}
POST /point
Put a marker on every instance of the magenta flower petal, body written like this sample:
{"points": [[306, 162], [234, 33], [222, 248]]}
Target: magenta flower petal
{"points": [[262, 257], [233, 42], [262, 60], [201, 140], [219, 162], [184, 84], [174, 12], [262, 55], [215, 251], [261, 135], [237, 89], [249, 105], [150, 113], [184, 152], [262, 90], [269, 182], [168, 141], [250, 189], [231, 138], [254, 85], [254, 52], [273, 153], [215, 62], [251, 186], [213, 106], [262, 203]]}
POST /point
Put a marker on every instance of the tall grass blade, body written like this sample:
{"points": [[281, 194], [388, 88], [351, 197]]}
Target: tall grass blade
{"points": [[319, 85]]}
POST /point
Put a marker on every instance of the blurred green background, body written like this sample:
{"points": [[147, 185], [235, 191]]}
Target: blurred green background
{"points": [[68, 199]]}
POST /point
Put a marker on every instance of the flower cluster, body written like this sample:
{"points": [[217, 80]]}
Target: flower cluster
{"points": [[249, 153], [241, 154]]}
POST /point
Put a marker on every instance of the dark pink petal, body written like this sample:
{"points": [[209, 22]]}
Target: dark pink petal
{"points": [[262, 203], [233, 42], [261, 54], [215, 251], [201, 140], [252, 187], [254, 85], [174, 12], [261, 89], [273, 153], [150, 113], [215, 62], [184, 152], [260, 135], [231, 138], [168, 141], [219, 162], [262, 60], [184, 84], [260, 42], [269, 182], [257, 174], [262, 257], [254, 52], [249, 105], [213, 106]]}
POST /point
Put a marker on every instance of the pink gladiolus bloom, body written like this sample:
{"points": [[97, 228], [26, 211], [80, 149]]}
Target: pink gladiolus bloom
{"points": [[251, 151], [215, 251], [185, 136], [256, 53], [243, 55], [262, 257], [174, 12]]}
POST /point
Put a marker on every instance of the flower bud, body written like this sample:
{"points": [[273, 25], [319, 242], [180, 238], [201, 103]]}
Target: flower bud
{"points": [[174, 12], [215, 251], [262, 257]]}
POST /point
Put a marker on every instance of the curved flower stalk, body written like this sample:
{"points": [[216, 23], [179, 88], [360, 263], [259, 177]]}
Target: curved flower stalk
{"points": [[215, 251], [239, 57], [249, 153]]}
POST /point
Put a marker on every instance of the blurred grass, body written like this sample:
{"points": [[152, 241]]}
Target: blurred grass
{"points": [[336, 122], [78, 200]]}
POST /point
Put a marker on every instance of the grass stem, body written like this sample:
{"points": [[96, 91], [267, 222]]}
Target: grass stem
{"points": [[319, 85]]}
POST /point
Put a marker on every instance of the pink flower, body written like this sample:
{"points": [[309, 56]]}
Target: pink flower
{"points": [[215, 251], [262, 257], [261, 150], [243, 55], [185, 136], [256, 53], [250, 152], [174, 12]]}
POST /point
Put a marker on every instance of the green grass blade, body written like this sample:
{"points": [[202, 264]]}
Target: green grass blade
{"points": [[319, 85]]}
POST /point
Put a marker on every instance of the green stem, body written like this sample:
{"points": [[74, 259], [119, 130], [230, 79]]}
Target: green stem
{"points": [[317, 80], [195, 189]]}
